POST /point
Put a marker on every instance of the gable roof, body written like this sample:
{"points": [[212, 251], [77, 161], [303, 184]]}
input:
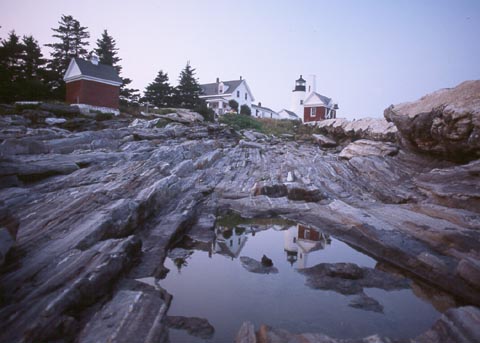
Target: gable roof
{"points": [[315, 98], [212, 88], [263, 108], [88, 70], [290, 113]]}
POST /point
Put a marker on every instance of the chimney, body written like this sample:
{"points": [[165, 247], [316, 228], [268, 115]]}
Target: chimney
{"points": [[94, 59], [259, 104], [240, 77], [218, 80]]}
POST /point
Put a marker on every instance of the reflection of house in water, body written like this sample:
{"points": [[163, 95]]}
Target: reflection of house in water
{"points": [[229, 242], [300, 241]]}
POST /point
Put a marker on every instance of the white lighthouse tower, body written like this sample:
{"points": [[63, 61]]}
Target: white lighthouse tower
{"points": [[298, 96]]}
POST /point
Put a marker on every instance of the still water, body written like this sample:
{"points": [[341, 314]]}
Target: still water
{"points": [[208, 281]]}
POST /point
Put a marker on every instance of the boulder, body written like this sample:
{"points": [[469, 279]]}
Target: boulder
{"points": [[257, 267], [55, 121], [348, 278], [364, 147], [198, 327], [445, 123], [324, 141], [456, 325], [377, 129], [246, 334], [366, 303], [267, 262]]}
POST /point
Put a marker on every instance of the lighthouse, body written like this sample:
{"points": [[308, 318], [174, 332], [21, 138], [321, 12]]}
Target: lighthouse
{"points": [[298, 96]]}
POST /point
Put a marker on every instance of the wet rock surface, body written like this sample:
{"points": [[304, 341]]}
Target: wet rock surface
{"points": [[348, 278], [97, 205], [456, 325], [257, 267], [198, 327]]}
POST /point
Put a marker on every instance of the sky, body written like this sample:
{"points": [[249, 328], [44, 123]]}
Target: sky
{"points": [[366, 54]]}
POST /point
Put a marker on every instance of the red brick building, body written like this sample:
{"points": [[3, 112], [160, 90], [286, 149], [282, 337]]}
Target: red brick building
{"points": [[92, 84], [318, 107]]}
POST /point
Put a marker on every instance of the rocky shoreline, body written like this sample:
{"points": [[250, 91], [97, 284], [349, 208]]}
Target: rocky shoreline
{"points": [[88, 210]]}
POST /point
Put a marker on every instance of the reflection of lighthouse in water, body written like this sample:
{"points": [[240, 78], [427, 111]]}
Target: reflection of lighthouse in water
{"points": [[300, 241]]}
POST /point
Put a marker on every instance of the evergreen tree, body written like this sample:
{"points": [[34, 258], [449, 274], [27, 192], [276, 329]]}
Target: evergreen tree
{"points": [[10, 67], [73, 42], [159, 92], [244, 109], [32, 60], [188, 88], [33, 85], [22, 73], [107, 51], [107, 54]]}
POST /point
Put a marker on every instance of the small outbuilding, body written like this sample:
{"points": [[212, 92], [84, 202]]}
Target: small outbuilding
{"points": [[92, 85]]}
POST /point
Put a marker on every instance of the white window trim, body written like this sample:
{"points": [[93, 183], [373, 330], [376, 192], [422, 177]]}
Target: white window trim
{"points": [[313, 111]]}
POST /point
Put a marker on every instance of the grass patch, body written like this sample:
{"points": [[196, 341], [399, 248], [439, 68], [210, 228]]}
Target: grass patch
{"points": [[268, 126], [33, 106], [241, 122], [164, 111]]}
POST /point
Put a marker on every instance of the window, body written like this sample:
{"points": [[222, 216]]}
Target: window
{"points": [[294, 239], [313, 111], [301, 102], [246, 96], [238, 94]]}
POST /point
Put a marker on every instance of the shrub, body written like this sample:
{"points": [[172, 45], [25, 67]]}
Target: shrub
{"points": [[164, 111], [101, 116], [27, 106], [241, 122], [233, 105], [245, 110], [207, 113]]}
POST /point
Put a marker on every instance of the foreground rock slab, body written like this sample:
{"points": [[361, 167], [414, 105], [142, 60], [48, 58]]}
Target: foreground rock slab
{"points": [[457, 325]]}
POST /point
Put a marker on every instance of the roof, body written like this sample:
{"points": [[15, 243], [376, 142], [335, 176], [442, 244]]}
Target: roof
{"points": [[290, 113], [300, 79], [324, 99], [263, 108], [212, 88], [99, 71]]}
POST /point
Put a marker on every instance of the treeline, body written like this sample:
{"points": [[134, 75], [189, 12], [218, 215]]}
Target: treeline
{"points": [[25, 74]]}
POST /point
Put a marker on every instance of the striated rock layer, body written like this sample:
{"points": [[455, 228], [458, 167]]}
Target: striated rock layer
{"points": [[97, 210], [445, 123]]}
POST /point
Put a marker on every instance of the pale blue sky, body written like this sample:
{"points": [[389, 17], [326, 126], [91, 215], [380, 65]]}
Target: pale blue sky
{"points": [[366, 54]]}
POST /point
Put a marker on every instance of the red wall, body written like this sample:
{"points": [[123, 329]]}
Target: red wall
{"points": [[319, 114], [313, 235], [92, 93]]}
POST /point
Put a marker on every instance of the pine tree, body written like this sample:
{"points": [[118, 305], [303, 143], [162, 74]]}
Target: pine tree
{"points": [[10, 67], [33, 85], [73, 42], [188, 88], [107, 51], [159, 92], [32, 60]]}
